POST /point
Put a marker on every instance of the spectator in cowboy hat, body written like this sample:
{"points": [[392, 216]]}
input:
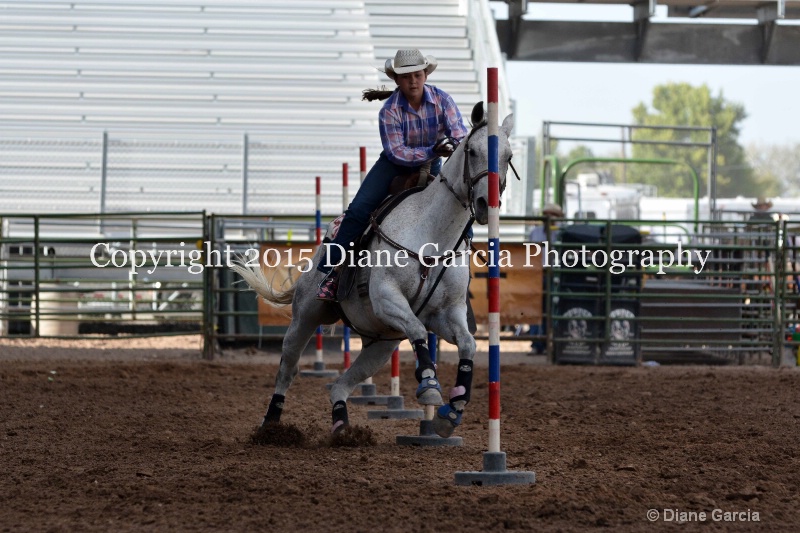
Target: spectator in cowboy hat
{"points": [[418, 124], [762, 234], [539, 233], [762, 206]]}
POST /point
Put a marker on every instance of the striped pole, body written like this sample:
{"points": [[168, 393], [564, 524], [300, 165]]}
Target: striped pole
{"points": [[395, 383], [319, 346], [318, 212], [430, 410], [494, 269], [345, 329], [432, 346], [345, 194], [367, 387], [395, 405], [319, 364], [494, 461], [346, 340], [318, 216], [362, 154]]}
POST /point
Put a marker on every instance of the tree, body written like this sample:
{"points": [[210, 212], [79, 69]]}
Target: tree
{"points": [[778, 166], [581, 151], [681, 104]]}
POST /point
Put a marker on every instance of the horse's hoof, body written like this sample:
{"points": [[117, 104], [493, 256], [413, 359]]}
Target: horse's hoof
{"points": [[446, 421], [340, 419], [338, 427], [429, 392]]}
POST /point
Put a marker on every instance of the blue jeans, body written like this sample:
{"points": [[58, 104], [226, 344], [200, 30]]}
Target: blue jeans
{"points": [[369, 196]]}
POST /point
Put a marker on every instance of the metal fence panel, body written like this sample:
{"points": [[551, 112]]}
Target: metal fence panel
{"points": [[79, 275]]}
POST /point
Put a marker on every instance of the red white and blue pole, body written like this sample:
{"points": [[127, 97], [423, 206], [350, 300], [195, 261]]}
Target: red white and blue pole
{"points": [[494, 268], [318, 212], [494, 461], [319, 365], [362, 155], [319, 359], [345, 202], [395, 383]]}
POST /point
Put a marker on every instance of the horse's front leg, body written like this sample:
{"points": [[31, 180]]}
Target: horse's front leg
{"points": [[452, 326], [392, 309]]}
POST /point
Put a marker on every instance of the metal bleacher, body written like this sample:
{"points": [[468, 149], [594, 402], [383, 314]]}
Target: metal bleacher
{"points": [[147, 106]]}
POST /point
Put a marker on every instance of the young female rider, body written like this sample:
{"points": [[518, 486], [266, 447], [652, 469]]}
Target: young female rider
{"points": [[418, 123]]}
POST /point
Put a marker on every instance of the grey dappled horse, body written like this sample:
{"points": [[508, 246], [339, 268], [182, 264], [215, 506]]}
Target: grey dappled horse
{"points": [[389, 310]]}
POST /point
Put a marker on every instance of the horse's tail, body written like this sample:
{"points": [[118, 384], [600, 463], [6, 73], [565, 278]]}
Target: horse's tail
{"points": [[255, 278]]}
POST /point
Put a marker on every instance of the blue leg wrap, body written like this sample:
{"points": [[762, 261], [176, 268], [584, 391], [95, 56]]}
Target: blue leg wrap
{"points": [[446, 421], [429, 384]]}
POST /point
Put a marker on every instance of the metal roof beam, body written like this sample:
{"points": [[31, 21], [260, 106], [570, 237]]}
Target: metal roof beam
{"points": [[616, 42]]}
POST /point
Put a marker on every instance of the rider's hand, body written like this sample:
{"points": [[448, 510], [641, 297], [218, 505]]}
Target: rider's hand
{"points": [[444, 148]]}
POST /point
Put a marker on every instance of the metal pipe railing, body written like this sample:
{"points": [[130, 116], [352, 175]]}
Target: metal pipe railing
{"points": [[750, 279]]}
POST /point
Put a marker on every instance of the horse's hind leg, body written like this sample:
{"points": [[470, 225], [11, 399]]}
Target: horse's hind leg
{"points": [[297, 336], [452, 326], [371, 359]]}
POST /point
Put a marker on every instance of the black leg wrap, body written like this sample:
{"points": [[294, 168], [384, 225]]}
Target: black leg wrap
{"points": [[463, 379], [340, 413], [424, 361], [275, 409]]}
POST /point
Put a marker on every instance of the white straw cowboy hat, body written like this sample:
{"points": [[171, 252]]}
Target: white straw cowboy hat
{"points": [[406, 61], [762, 203], [553, 209]]}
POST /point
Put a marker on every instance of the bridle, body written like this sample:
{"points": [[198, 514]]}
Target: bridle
{"points": [[472, 180]]}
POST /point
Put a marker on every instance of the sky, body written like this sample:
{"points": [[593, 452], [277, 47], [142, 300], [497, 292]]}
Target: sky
{"points": [[607, 92]]}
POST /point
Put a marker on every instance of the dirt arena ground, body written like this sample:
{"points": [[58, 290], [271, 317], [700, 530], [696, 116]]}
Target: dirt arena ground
{"points": [[145, 436]]}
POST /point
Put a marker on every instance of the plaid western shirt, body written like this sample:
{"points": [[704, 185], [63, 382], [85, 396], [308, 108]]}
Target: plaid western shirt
{"points": [[408, 135]]}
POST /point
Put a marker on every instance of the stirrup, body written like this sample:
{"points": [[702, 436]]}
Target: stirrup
{"points": [[446, 420], [429, 392], [328, 287]]}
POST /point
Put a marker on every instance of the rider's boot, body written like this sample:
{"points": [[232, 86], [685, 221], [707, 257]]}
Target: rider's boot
{"points": [[328, 287]]}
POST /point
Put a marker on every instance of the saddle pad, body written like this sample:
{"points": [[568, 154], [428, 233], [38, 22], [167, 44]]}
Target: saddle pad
{"points": [[333, 227]]}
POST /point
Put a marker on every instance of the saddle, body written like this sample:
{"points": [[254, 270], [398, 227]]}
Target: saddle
{"points": [[349, 274], [415, 179], [401, 183]]}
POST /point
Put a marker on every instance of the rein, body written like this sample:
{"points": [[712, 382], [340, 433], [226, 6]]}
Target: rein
{"points": [[424, 268], [470, 181]]}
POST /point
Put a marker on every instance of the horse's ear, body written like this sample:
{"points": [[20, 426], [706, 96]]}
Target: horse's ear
{"points": [[477, 114], [508, 125]]}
